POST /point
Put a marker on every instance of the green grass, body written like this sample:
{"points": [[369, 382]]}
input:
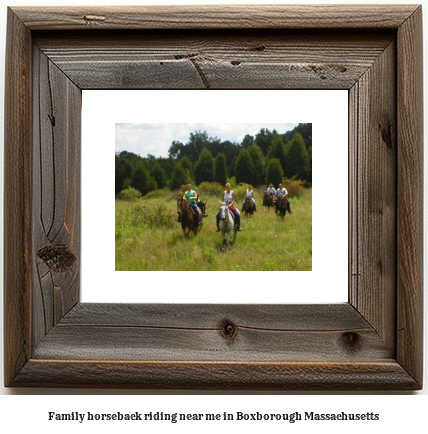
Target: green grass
{"points": [[148, 238]]}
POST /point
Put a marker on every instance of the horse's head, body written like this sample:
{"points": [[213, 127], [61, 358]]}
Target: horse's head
{"points": [[223, 210], [181, 204]]}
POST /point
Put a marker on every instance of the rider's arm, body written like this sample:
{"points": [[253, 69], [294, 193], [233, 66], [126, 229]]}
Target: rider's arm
{"points": [[233, 199]]}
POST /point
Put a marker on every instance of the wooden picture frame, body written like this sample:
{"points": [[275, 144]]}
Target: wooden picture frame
{"points": [[372, 342]]}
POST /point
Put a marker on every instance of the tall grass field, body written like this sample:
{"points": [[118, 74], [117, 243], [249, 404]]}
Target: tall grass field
{"points": [[149, 238]]}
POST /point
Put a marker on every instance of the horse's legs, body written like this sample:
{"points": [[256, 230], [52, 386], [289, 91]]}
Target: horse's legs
{"points": [[224, 237]]}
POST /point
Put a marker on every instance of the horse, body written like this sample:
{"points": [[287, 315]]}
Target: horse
{"points": [[268, 200], [282, 207], [202, 206], [248, 206], [189, 221], [227, 224]]}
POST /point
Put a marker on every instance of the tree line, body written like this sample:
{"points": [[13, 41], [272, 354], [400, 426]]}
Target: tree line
{"points": [[262, 159]]}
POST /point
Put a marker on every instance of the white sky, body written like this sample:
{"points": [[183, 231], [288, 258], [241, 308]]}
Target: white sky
{"points": [[156, 138]]}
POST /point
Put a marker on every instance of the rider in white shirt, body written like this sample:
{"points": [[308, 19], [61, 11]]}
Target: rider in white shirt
{"points": [[282, 191], [271, 190], [230, 198], [249, 193]]}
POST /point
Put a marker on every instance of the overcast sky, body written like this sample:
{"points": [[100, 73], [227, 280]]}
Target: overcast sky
{"points": [[156, 139]]}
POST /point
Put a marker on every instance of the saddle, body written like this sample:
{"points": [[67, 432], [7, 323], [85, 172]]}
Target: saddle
{"points": [[232, 211]]}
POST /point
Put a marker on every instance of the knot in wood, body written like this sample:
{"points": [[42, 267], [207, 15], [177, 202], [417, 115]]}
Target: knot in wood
{"points": [[94, 18], [228, 330], [351, 340], [58, 259]]}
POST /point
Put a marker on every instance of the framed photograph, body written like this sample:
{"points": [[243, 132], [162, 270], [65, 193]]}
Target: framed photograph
{"points": [[53, 339]]}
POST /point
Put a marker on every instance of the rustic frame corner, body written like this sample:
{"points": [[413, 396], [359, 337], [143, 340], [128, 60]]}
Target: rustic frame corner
{"points": [[372, 342]]}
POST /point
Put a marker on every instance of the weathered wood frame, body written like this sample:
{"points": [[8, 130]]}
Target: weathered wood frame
{"points": [[372, 342]]}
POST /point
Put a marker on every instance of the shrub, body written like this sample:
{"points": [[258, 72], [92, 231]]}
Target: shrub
{"points": [[158, 216], [211, 189], [231, 180], [130, 194], [240, 191], [295, 187], [158, 194]]}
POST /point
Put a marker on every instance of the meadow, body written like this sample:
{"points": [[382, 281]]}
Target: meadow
{"points": [[149, 238]]}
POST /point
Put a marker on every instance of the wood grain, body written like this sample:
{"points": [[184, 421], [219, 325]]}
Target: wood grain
{"points": [[372, 342], [17, 199], [56, 194], [410, 195], [216, 59], [385, 375], [217, 17], [373, 178], [198, 332]]}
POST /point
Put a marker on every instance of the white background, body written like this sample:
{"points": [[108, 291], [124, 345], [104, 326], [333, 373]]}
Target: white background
{"points": [[399, 412], [327, 110]]}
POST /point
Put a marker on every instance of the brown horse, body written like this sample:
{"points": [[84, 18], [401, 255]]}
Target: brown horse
{"points": [[189, 221], [268, 200], [248, 206], [202, 206], [282, 207]]}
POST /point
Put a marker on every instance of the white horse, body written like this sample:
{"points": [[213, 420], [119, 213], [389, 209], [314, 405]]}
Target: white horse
{"points": [[226, 224]]}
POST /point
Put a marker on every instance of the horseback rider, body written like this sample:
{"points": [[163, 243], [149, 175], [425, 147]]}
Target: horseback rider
{"points": [[249, 193], [230, 198], [271, 190], [190, 196], [282, 192]]}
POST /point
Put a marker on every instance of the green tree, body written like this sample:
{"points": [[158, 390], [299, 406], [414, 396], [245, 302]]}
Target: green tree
{"points": [[274, 173], [247, 141], [168, 166], [298, 160], [264, 140], [277, 150], [197, 142], [231, 168], [230, 151], [175, 150], [204, 168], [220, 174], [186, 164], [306, 131], [244, 168], [159, 175], [123, 170], [257, 158], [179, 177], [141, 179]]}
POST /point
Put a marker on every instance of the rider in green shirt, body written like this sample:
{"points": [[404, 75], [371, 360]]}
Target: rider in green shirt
{"points": [[191, 198]]}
